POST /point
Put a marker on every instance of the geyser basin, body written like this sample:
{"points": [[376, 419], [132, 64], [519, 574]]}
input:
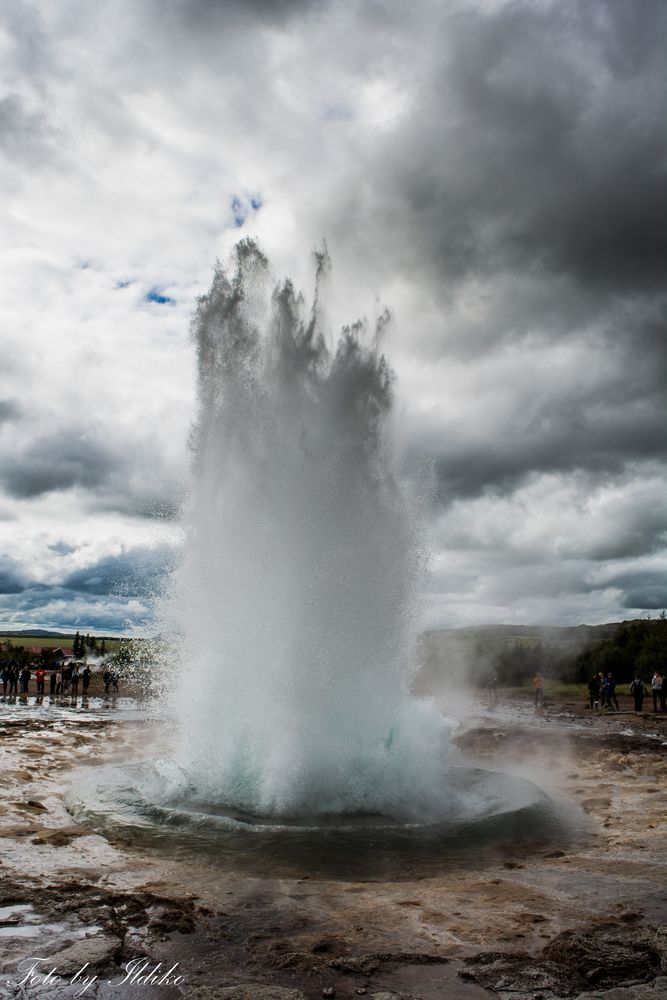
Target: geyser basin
{"points": [[485, 809]]}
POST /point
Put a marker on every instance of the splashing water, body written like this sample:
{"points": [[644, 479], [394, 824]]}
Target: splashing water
{"points": [[295, 609], [297, 600]]}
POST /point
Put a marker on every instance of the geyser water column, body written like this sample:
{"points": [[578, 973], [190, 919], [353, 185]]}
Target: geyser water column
{"points": [[293, 615], [295, 606]]}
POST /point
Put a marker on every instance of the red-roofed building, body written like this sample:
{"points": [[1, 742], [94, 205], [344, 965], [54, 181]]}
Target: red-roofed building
{"points": [[60, 653]]}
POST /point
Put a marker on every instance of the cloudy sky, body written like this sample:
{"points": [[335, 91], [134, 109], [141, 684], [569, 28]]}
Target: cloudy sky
{"points": [[492, 171]]}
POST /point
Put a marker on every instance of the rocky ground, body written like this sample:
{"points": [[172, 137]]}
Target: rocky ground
{"points": [[580, 916]]}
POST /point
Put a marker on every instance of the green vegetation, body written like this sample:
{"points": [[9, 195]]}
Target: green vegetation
{"points": [[18, 646], [15, 640], [515, 653], [638, 647], [555, 691], [635, 647]]}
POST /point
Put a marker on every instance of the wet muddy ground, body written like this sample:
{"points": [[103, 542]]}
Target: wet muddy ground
{"points": [[580, 913]]}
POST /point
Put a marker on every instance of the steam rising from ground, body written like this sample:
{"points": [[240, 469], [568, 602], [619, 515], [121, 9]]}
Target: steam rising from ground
{"points": [[296, 602]]}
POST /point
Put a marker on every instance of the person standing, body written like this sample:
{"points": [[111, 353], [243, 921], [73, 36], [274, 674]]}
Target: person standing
{"points": [[66, 677], [656, 685], [40, 674], [663, 693], [75, 680], [85, 680], [24, 681], [610, 692], [538, 684], [594, 692], [637, 690]]}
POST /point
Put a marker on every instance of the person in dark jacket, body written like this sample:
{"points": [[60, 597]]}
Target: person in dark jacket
{"points": [[638, 691], [610, 692], [24, 681], [594, 691]]}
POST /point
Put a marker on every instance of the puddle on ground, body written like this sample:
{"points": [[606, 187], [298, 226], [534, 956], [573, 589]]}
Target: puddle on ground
{"points": [[7, 913]]}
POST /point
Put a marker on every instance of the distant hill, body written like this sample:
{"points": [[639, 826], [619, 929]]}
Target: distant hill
{"points": [[37, 632], [535, 633], [515, 652], [42, 633]]}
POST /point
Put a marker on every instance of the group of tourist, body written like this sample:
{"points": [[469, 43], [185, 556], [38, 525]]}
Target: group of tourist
{"points": [[602, 692], [63, 681]]}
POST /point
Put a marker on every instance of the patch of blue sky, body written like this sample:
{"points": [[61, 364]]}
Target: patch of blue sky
{"points": [[242, 207], [239, 211], [62, 548], [158, 296]]}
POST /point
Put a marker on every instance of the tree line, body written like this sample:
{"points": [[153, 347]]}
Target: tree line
{"points": [[635, 648], [88, 645]]}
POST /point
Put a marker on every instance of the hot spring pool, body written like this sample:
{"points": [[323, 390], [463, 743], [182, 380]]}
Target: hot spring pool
{"points": [[487, 809]]}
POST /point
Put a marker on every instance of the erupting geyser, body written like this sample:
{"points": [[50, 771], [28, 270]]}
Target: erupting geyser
{"points": [[296, 602], [294, 614]]}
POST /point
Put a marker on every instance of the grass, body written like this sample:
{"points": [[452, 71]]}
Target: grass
{"points": [[552, 689], [53, 642]]}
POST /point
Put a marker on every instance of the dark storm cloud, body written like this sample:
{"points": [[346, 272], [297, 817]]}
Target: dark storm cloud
{"points": [[105, 595], [12, 581], [122, 475], [29, 42], [62, 548], [599, 440], [137, 573], [149, 500], [648, 595], [534, 161], [538, 145], [537, 419], [8, 410], [644, 589], [206, 14], [60, 461], [53, 607]]}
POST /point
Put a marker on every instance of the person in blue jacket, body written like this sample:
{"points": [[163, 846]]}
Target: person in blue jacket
{"points": [[610, 692]]}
